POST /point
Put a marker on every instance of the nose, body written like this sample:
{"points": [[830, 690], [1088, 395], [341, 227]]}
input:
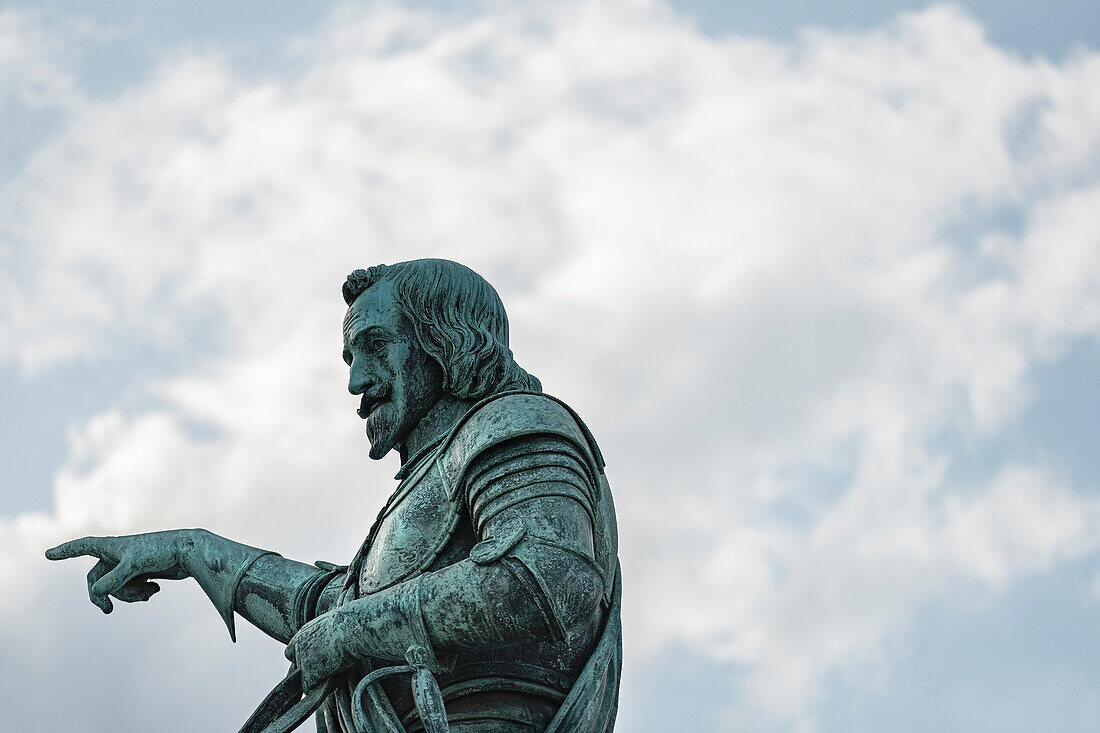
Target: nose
{"points": [[360, 379]]}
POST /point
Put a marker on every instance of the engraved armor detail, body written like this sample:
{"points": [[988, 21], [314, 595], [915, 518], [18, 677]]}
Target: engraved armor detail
{"points": [[415, 527]]}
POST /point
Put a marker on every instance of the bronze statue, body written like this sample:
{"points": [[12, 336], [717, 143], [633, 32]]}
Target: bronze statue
{"points": [[485, 597]]}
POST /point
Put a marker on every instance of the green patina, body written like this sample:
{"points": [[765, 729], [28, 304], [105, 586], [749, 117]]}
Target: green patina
{"points": [[485, 596]]}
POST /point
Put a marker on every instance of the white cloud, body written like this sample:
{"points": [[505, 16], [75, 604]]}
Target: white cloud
{"points": [[773, 276], [36, 63]]}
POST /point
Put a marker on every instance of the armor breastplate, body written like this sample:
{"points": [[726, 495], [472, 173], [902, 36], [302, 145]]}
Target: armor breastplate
{"points": [[424, 511], [415, 527]]}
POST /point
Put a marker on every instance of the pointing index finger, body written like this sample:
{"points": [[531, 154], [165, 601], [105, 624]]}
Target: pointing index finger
{"points": [[93, 546]]}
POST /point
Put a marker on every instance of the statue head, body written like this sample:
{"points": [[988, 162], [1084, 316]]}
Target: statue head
{"points": [[416, 331]]}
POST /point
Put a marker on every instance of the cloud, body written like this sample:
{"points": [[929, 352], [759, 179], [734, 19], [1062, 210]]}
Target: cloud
{"points": [[781, 280], [36, 64]]}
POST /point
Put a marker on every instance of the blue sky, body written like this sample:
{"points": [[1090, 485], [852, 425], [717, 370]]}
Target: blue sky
{"points": [[1049, 29], [846, 253]]}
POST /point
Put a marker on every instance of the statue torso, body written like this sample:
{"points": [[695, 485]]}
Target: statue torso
{"points": [[426, 525]]}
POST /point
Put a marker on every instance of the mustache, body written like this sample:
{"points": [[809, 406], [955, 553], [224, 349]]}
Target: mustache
{"points": [[368, 403]]}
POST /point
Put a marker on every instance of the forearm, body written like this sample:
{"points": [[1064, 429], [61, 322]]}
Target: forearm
{"points": [[471, 605], [271, 592], [218, 565], [278, 595]]}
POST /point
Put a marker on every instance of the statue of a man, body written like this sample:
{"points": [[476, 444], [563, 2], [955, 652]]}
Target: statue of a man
{"points": [[492, 569]]}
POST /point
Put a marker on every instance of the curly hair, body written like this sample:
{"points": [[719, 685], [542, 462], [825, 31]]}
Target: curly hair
{"points": [[459, 320]]}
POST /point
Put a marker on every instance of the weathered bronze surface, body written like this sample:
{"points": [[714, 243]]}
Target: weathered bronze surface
{"points": [[485, 597]]}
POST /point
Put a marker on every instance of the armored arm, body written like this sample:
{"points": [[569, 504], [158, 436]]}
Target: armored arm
{"points": [[532, 577], [277, 595]]}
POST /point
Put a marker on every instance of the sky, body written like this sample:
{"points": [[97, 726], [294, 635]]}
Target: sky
{"points": [[822, 278]]}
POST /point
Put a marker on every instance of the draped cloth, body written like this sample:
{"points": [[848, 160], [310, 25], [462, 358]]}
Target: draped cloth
{"points": [[593, 700]]}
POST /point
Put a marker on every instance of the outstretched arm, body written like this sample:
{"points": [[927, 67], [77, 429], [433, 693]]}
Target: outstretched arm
{"points": [[129, 566]]}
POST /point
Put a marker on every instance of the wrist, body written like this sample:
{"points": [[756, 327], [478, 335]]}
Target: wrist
{"points": [[218, 565], [184, 543]]}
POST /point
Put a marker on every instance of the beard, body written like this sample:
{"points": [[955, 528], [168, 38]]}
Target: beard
{"points": [[383, 425]]}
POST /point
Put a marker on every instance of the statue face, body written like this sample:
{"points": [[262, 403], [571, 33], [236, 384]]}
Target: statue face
{"points": [[398, 380]]}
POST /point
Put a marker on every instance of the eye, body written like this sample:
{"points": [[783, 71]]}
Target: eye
{"points": [[347, 357], [376, 344]]}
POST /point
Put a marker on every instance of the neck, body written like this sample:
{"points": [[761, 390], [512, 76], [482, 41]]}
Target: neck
{"points": [[435, 423]]}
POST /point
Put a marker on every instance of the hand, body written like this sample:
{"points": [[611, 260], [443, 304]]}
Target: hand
{"points": [[319, 650], [127, 564]]}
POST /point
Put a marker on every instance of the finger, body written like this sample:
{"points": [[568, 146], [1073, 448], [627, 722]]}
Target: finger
{"points": [[109, 584], [137, 590], [290, 653], [94, 546], [100, 569]]}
